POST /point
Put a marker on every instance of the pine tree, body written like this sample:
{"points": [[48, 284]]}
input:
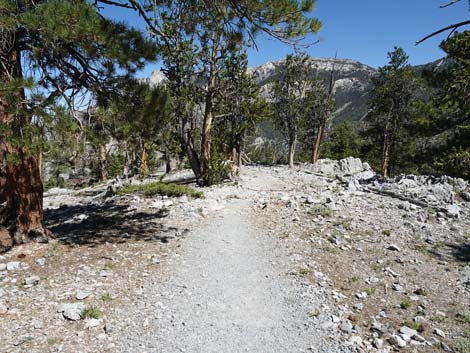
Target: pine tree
{"points": [[196, 36], [241, 106], [301, 104], [69, 47], [390, 104]]}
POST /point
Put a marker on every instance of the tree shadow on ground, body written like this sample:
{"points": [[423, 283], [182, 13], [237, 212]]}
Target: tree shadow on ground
{"points": [[461, 251], [452, 251], [93, 224]]}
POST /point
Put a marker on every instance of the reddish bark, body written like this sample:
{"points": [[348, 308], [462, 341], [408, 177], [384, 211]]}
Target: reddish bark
{"points": [[21, 197]]}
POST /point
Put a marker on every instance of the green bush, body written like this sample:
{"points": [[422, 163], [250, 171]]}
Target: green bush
{"points": [[152, 189]]}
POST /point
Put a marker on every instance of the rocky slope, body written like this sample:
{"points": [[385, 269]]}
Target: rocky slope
{"points": [[378, 266], [352, 83]]}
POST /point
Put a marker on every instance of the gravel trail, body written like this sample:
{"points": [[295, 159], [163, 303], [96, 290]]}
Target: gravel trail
{"points": [[227, 290]]}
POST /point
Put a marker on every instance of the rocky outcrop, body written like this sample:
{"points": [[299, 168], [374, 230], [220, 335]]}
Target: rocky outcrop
{"points": [[348, 167]]}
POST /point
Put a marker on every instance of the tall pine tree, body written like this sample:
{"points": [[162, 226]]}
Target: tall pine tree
{"points": [[57, 48]]}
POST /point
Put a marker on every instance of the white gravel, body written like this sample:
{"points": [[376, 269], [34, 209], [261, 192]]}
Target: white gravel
{"points": [[228, 290]]}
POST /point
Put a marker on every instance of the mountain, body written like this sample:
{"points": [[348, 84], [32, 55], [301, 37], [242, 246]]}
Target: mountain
{"points": [[351, 88], [352, 83]]}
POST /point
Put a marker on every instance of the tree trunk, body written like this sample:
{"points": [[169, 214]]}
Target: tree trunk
{"points": [[239, 157], [144, 169], [21, 197], [206, 138], [292, 146], [167, 160], [127, 163], [188, 143], [40, 157], [386, 155], [103, 163], [206, 141], [317, 143]]}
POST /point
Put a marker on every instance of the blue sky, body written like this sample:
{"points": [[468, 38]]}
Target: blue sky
{"points": [[363, 30]]}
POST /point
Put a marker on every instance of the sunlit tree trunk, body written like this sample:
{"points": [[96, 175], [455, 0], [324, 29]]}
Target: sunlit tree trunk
{"points": [[103, 163], [317, 143], [386, 154], [292, 147], [144, 169], [206, 138]]}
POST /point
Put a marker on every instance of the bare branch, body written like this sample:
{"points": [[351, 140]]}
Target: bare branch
{"points": [[451, 27], [449, 4]]}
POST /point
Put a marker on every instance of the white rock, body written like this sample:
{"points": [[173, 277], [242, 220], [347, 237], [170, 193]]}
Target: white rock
{"points": [[71, 311], [397, 341], [408, 331], [346, 326], [378, 343], [14, 266], [3, 267], [41, 261], [453, 211], [81, 294], [33, 280], [3, 309], [89, 323], [439, 332]]}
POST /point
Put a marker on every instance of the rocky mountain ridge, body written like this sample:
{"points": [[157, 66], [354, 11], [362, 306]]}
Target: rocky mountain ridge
{"points": [[351, 88]]}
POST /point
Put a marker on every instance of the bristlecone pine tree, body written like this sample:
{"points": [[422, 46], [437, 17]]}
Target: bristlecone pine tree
{"points": [[65, 46], [302, 104], [390, 103], [195, 36]]}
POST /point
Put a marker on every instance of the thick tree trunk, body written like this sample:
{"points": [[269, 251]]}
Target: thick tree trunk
{"points": [[317, 143], [103, 163], [386, 155], [292, 146], [21, 197]]}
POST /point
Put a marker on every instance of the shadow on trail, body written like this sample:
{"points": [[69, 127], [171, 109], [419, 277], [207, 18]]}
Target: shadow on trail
{"points": [[451, 252], [108, 223]]}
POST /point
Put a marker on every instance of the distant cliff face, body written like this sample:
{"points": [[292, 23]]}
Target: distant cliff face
{"points": [[352, 83]]}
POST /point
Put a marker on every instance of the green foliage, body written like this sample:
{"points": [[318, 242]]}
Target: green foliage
{"points": [[413, 325], [343, 142], [405, 304], [90, 312], [116, 164], [151, 189], [391, 113], [301, 101]]}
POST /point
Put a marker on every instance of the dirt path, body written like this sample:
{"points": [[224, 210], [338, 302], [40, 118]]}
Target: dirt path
{"points": [[226, 291]]}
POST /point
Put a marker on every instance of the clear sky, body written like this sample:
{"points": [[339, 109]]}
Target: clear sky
{"points": [[363, 30]]}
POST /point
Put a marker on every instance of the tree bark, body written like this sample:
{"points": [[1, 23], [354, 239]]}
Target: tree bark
{"points": [[317, 143], [386, 155], [167, 159], [206, 138], [292, 146], [21, 197], [144, 169], [40, 162], [103, 163], [127, 163]]}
